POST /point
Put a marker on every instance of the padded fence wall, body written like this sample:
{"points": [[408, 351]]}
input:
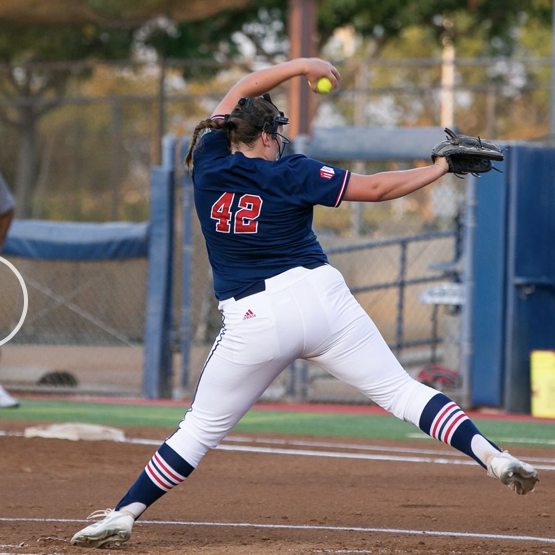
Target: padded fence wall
{"points": [[100, 303], [514, 274], [86, 307]]}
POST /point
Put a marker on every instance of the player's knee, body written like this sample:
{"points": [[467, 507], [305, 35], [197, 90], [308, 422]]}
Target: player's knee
{"points": [[187, 445], [410, 401]]}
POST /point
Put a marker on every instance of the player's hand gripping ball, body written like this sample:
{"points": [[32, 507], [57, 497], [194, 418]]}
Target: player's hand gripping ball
{"points": [[324, 85]]}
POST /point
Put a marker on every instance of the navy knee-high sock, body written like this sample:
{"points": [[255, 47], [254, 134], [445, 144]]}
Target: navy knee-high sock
{"points": [[445, 421], [164, 471]]}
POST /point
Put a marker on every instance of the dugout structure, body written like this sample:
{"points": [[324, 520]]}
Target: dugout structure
{"points": [[101, 291]]}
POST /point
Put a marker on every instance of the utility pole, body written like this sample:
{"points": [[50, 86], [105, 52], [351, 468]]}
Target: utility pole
{"points": [[302, 34], [448, 84]]}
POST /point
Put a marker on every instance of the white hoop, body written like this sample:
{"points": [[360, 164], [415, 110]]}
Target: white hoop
{"points": [[25, 300]]}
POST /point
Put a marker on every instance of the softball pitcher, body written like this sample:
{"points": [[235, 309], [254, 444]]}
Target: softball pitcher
{"points": [[280, 299]]}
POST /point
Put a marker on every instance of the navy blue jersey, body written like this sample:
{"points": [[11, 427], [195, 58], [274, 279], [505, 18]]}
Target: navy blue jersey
{"points": [[256, 215]]}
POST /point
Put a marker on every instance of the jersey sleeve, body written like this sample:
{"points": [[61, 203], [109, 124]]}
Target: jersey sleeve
{"points": [[319, 183]]}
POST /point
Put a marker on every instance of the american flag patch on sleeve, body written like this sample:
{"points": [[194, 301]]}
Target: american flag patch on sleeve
{"points": [[326, 172]]}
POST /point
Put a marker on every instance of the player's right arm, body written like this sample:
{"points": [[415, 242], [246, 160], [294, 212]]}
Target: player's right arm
{"points": [[264, 80], [395, 184]]}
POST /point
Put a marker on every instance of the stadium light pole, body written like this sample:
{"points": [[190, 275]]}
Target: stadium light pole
{"points": [[302, 31]]}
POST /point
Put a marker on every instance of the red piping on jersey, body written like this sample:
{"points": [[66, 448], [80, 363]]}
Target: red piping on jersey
{"points": [[342, 190]]}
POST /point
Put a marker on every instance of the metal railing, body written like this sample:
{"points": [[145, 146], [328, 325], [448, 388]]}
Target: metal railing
{"points": [[402, 282]]}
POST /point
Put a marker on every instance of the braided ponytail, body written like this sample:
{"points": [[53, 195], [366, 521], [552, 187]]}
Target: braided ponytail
{"points": [[204, 124]]}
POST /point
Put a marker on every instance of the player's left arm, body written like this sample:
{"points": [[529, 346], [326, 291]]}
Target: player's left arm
{"points": [[5, 222], [264, 80], [395, 184]]}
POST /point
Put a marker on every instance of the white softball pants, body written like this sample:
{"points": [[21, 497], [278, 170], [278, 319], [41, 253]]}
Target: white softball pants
{"points": [[307, 314]]}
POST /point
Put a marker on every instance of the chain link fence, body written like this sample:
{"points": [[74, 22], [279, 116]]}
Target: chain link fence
{"points": [[84, 154], [84, 326], [389, 272]]}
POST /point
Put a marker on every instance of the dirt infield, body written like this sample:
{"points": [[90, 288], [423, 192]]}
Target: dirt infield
{"points": [[273, 495]]}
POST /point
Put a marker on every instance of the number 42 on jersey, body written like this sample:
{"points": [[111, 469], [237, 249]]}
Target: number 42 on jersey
{"points": [[244, 221]]}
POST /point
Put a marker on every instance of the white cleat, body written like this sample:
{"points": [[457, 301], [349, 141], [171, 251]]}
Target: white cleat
{"points": [[519, 476], [6, 400], [114, 528]]}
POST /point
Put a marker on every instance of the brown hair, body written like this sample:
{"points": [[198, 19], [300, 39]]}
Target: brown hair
{"points": [[239, 131]]}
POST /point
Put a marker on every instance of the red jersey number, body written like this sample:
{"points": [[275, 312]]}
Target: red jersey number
{"points": [[221, 212], [244, 221]]}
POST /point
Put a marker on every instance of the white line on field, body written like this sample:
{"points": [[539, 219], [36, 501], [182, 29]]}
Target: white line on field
{"points": [[360, 447], [328, 454], [356, 446], [339, 455], [540, 441], [526, 440], [360, 456], [308, 527]]}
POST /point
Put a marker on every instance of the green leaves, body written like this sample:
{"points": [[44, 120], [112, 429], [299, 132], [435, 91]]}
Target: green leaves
{"points": [[45, 43]]}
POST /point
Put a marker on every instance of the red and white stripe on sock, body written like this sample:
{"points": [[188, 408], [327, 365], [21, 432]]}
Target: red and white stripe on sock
{"points": [[162, 474], [446, 422]]}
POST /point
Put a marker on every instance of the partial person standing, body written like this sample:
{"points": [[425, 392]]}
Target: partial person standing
{"points": [[280, 298], [7, 207]]}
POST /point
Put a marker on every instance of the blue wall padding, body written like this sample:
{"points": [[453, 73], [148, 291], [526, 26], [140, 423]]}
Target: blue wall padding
{"points": [[44, 240], [513, 307], [530, 321], [488, 312], [157, 372], [373, 143]]}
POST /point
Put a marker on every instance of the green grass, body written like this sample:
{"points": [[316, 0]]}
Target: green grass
{"points": [[263, 421]]}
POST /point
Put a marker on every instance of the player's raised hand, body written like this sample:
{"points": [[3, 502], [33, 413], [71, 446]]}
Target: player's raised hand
{"points": [[264, 80], [316, 69]]}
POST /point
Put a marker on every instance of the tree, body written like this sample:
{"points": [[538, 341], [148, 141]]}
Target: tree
{"points": [[263, 25], [38, 88], [67, 31]]}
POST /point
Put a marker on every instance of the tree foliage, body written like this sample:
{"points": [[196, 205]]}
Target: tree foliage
{"points": [[22, 48], [264, 25], [476, 27], [118, 13]]}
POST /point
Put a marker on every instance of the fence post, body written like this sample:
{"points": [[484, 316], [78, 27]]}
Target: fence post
{"points": [[292, 383], [401, 301], [186, 268], [467, 327], [157, 371]]}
